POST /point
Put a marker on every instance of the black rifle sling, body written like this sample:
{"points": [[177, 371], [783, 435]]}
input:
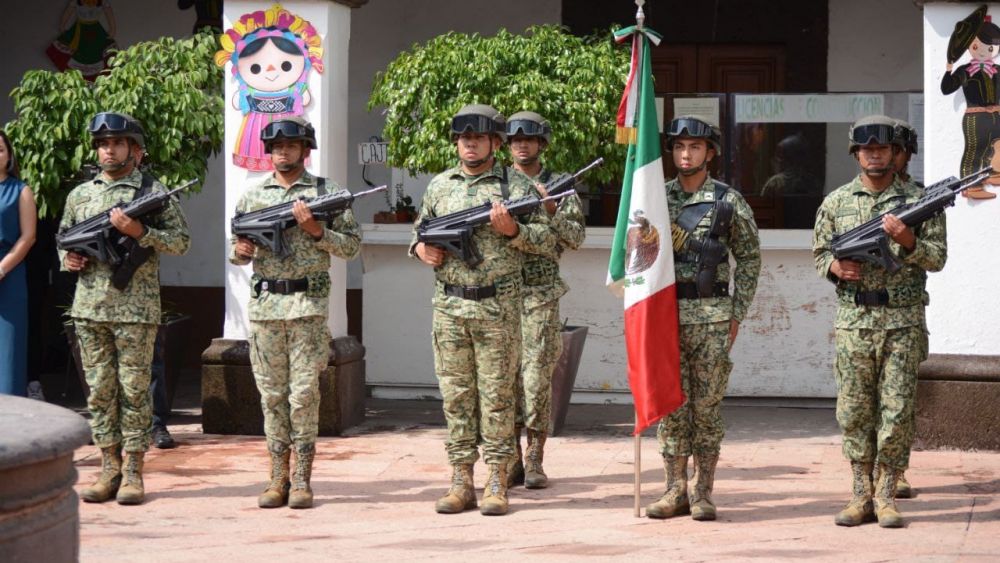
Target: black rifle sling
{"points": [[691, 215], [504, 185], [133, 255], [320, 192]]}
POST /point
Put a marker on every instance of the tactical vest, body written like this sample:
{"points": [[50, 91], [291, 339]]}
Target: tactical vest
{"points": [[707, 252]]}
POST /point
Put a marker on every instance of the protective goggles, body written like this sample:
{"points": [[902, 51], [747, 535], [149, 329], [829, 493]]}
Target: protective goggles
{"points": [[286, 129], [526, 127], [108, 122], [471, 122], [877, 133], [687, 127], [907, 138]]}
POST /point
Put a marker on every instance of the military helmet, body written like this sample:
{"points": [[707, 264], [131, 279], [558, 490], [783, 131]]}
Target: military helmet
{"points": [[529, 124], [292, 128], [873, 129], [479, 118], [906, 136], [695, 127], [108, 124]]}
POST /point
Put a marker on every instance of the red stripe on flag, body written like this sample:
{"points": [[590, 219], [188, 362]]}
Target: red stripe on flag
{"points": [[653, 344]]}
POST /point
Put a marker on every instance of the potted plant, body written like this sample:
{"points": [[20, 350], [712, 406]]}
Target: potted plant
{"points": [[404, 209], [564, 374], [386, 216]]}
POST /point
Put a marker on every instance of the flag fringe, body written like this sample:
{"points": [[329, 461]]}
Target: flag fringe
{"points": [[626, 135]]}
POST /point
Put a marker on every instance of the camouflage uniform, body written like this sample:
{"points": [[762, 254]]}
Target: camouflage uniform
{"points": [[541, 338], [477, 343], [697, 427], [289, 339], [116, 329], [879, 348]]}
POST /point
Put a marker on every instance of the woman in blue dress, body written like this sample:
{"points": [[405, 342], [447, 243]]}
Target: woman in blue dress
{"points": [[18, 218]]}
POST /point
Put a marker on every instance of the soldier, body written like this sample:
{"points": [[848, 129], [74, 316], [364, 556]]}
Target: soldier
{"points": [[541, 342], [477, 310], [289, 338], [116, 328], [881, 332], [709, 221]]}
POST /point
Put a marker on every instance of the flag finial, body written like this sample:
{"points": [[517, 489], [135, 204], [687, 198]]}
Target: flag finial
{"points": [[640, 17]]}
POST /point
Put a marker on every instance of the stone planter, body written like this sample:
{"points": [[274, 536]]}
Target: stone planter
{"points": [[39, 510], [170, 339], [564, 376]]}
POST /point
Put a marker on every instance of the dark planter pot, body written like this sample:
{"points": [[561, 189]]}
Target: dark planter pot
{"points": [[168, 351], [564, 375]]}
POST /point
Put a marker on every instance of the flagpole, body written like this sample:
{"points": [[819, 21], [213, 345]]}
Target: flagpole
{"points": [[640, 17]]}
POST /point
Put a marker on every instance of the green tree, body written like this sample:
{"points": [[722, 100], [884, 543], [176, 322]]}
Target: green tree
{"points": [[576, 83], [171, 85]]}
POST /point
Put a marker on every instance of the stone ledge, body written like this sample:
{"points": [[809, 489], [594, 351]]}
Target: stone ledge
{"points": [[960, 367], [957, 402]]}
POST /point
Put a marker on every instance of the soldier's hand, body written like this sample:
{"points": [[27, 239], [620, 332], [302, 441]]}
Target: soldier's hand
{"points": [[734, 329], [303, 215], [429, 254], [847, 270], [125, 224], [502, 221], [75, 262], [899, 231], [550, 206], [245, 248]]}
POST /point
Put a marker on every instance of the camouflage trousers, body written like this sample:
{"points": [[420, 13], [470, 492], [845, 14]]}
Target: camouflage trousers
{"points": [[876, 373], [117, 358], [476, 365], [697, 427], [541, 344], [287, 357]]}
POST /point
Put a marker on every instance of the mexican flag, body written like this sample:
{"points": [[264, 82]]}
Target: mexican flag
{"points": [[642, 260]]}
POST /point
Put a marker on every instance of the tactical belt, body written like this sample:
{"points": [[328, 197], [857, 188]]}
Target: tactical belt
{"points": [[283, 287], [689, 290], [872, 298], [470, 292]]}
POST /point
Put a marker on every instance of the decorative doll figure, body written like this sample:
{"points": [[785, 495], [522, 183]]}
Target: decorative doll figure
{"points": [[271, 53], [84, 40], [980, 38]]}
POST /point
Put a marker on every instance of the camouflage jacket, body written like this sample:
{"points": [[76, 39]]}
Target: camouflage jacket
{"points": [[542, 282], [742, 243], [309, 258], [166, 232], [503, 258], [850, 206]]}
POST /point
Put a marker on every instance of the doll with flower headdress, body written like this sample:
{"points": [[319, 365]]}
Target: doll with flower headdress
{"points": [[271, 53]]}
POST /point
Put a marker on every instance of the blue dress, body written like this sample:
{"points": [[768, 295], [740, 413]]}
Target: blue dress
{"points": [[13, 296]]}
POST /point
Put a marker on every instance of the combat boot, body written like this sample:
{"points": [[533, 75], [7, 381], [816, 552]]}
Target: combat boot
{"points": [[702, 507], [132, 490], [462, 494], [276, 493], [301, 495], [515, 471], [674, 501], [903, 488], [860, 509], [885, 498], [534, 475], [110, 477], [495, 492]]}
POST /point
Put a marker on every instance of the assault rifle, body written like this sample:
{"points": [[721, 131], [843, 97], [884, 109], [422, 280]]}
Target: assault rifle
{"points": [[453, 232], [870, 243], [265, 226], [98, 238]]}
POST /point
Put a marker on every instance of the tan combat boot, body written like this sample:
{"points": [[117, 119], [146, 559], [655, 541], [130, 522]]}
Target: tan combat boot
{"points": [[534, 475], [495, 492], [885, 498], [674, 501], [301, 495], [702, 507], [903, 488], [110, 477], [276, 493], [515, 470], [462, 494], [132, 490], [860, 509]]}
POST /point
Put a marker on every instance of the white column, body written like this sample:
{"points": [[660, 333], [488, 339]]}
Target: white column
{"points": [[327, 111], [964, 315]]}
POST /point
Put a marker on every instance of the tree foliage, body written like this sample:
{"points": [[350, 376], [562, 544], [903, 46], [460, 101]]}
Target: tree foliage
{"points": [[576, 83], [172, 86]]}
